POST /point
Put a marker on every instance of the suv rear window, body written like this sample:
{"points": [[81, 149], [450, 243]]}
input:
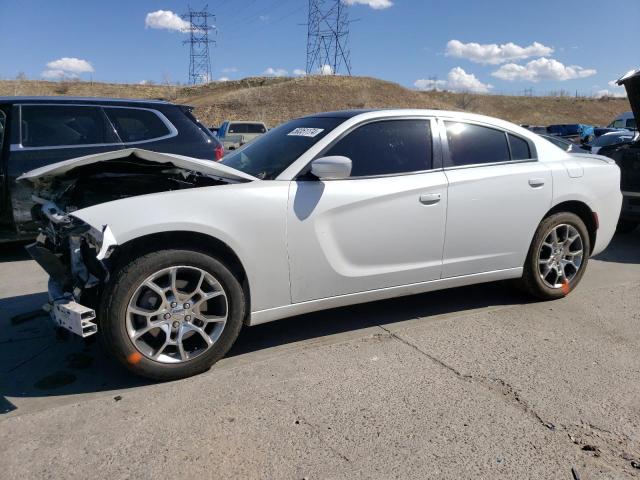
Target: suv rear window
{"points": [[246, 128], [63, 125], [136, 125]]}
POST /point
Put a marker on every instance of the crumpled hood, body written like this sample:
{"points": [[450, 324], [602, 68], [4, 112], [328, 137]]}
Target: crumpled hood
{"points": [[631, 82], [206, 167]]}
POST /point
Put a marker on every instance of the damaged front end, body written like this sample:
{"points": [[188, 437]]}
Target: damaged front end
{"points": [[77, 256]]}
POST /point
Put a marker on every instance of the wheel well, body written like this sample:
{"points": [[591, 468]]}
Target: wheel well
{"points": [[583, 211], [190, 240]]}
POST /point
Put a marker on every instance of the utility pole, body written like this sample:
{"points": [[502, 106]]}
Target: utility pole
{"points": [[328, 37], [199, 59]]}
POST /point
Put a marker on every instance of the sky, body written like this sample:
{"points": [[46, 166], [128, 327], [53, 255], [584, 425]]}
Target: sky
{"points": [[493, 46]]}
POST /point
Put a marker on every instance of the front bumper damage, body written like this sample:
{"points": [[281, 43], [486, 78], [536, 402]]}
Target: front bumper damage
{"points": [[76, 257]]}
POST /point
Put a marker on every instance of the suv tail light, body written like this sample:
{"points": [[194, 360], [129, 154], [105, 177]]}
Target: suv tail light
{"points": [[219, 151]]}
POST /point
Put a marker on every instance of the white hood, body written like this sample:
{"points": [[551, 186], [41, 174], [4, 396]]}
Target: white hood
{"points": [[206, 167]]}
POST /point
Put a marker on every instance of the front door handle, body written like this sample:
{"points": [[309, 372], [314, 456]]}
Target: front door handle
{"points": [[430, 198], [536, 182]]}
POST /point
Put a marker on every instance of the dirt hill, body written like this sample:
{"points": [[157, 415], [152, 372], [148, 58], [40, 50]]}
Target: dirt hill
{"points": [[274, 100]]}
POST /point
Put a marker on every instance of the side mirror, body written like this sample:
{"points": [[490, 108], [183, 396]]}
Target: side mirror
{"points": [[331, 168]]}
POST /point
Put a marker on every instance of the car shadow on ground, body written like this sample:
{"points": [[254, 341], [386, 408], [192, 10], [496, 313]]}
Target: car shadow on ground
{"points": [[13, 252], [624, 248], [34, 362]]}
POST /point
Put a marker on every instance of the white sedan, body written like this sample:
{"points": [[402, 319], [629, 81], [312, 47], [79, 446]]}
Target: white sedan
{"points": [[168, 257]]}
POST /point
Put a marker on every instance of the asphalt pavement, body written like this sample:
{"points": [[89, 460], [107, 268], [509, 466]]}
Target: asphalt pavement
{"points": [[474, 382]]}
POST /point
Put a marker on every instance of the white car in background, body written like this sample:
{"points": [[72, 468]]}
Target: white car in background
{"points": [[321, 212]]}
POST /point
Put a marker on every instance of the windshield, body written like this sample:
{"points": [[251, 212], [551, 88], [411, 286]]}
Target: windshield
{"points": [[611, 139], [269, 155]]}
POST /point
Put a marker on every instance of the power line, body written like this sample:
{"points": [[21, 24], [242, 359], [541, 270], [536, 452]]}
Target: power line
{"points": [[328, 37], [199, 58]]}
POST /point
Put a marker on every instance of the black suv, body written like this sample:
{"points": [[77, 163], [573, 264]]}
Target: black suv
{"points": [[37, 131]]}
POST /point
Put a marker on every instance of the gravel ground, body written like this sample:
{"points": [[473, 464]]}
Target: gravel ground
{"points": [[476, 382]]}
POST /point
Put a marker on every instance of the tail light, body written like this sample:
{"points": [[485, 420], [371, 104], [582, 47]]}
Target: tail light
{"points": [[219, 151]]}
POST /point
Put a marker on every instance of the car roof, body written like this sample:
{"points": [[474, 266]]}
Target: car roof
{"points": [[96, 100], [344, 113]]}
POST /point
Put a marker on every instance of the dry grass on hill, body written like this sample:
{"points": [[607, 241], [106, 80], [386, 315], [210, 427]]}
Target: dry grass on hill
{"points": [[274, 100]]}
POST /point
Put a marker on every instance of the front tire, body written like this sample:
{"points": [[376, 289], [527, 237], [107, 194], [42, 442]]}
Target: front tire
{"points": [[171, 314], [557, 257]]}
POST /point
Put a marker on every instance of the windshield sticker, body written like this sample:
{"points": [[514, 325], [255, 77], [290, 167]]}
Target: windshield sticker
{"points": [[305, 132]]}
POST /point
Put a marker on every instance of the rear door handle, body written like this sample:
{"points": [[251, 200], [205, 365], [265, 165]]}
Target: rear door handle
{"points": [[536, 182], [430, 198]]}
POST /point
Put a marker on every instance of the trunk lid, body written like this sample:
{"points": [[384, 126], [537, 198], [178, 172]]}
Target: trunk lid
{"points": [[631, 82]]}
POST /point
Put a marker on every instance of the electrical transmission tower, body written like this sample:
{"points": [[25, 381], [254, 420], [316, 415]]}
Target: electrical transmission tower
{"points": [[199, 59], [328, 37]]}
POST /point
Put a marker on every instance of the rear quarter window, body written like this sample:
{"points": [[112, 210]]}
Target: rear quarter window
{"points": [[137, 125]]}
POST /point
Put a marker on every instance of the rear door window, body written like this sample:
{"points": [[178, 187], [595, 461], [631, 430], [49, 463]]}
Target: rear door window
{"points": [[136, 124], [64, 125], [471, 144]]}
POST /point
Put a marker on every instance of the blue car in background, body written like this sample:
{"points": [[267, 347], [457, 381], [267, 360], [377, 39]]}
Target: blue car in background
{"points": [[577, 132]]}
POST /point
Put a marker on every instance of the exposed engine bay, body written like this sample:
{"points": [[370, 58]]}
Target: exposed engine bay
{"points": [[76, 255]]}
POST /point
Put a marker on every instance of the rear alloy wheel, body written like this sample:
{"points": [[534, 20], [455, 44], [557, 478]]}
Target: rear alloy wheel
{"points": [[557, 257], [560, 256], [171, 314]]}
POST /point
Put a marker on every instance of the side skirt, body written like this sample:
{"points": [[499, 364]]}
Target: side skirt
{"points": [[269, 315]]}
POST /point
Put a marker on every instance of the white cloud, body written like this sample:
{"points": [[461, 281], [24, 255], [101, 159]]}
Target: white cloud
{"points": [[275, 72], [375, 4], [457, 81], [609, 93], [430, 84], [70, 65], [230, 70], [494, 54], [224, 79], [542, 69], [298, 72], [166, 20], [53, 74], [325, 70]]}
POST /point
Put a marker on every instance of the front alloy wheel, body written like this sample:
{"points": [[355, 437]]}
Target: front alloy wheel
{"points": [[172, 313], [177, 314]]}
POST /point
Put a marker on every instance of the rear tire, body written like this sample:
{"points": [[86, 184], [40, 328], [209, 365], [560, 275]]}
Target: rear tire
{"points": [[626, 226], [554, 266], [193, 336]]}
